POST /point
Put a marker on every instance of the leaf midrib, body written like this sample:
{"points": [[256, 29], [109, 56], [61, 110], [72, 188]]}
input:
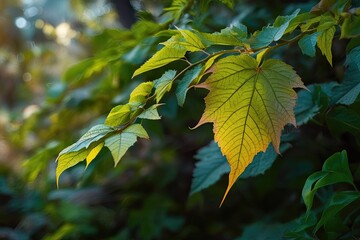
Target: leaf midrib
{"points": [[246, 119]]}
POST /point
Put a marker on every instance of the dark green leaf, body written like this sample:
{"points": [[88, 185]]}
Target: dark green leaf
{"points": [[264, 231], [335, 170], [212, 165], [337, 202], [350, 27], [311, 101], [307, 44], [185, 82], [342, 119], [347, 92]]}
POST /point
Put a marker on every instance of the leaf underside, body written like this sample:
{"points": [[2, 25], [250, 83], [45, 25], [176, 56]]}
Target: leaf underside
{"points": [[249, 105]]}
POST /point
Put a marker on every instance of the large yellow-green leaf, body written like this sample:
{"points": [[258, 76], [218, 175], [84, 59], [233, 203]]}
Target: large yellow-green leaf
{"points": [[249, 105]]}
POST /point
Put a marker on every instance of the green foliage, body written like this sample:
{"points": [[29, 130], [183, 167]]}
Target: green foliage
{"points": [[260, 89], [312, 101], [335, 170], [250, 70], [338, 201]]}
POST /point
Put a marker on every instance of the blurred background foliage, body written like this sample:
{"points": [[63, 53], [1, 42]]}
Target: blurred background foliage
{"points": [[48, 98]]}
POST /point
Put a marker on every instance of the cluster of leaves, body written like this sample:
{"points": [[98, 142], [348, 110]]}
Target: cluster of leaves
{"points": [[251, 98]]}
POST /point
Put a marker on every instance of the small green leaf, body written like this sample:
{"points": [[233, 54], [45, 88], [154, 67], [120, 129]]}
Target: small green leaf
{"points": [[347, 92], [118, 115], [192, 39], [185, 82], [94, 134], [120, 143], [69, 159], [325, 41], [151, 113], [350, 27], [273, 33], [163, 57], [295, 22], [307, 44], [232, 36], [209, 63], [337, 202], [260, 55], [179, 40], [338, 163], [327, 21], [304, 27], [139, 94], [164, 84]]}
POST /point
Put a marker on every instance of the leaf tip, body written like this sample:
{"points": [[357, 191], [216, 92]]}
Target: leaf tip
{"points": [[231, 183], [202, 121]]}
